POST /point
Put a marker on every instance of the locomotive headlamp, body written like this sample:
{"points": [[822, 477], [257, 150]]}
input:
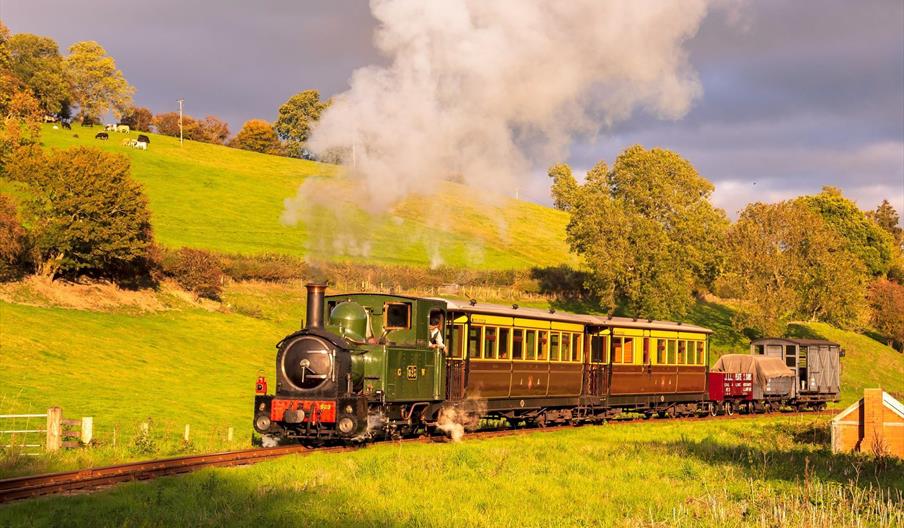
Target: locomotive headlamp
{"points": [[348, 409], [346, 425], [262, 423]]}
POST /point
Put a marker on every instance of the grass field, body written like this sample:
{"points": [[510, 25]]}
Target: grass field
{"points": [[178, 362], [745, 472], [228, 200]]}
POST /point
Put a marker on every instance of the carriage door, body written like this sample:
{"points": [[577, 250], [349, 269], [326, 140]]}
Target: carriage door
{"points": [[455, 359], [596, 368]]}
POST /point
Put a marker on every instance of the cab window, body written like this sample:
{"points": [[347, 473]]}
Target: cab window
{"points": [[397, 316]]}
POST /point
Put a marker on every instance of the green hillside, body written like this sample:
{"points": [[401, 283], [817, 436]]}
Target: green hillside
{"points": [[229, 200]]}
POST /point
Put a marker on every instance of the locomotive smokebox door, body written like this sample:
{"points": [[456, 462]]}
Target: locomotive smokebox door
{"points": [[412, 372]]}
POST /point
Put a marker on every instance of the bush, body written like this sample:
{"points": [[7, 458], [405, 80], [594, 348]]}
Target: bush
{"points": [[87, 215], [270, 268], [196, 270], [12, 240]]}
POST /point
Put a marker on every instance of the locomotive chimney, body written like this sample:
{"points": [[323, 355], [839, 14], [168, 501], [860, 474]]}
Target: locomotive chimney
{"points": [[315, 305]]}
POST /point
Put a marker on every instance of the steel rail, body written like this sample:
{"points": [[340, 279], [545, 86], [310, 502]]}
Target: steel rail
{"points": [[17, 488]]}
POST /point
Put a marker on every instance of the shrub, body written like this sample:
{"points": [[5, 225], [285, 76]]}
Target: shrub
{"points": [[88, 216], [196, 270], [270, 268], [887, 303]]}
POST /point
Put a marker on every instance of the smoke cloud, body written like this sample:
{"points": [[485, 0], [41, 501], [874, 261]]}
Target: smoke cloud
{"points": [[482, 92]]}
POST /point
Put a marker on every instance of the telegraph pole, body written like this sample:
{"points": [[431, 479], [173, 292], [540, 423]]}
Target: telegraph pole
{"points": [[180, 121]]}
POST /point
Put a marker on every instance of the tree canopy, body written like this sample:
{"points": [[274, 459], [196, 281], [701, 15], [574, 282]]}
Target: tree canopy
{"points": [[646, 230], [786, 262], [87, 215], [37, 63], [257, 135], [296, 118], [862, 237], [96, 85]]}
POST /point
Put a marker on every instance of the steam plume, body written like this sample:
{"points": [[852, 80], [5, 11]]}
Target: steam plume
{"points": [[481, 91]]}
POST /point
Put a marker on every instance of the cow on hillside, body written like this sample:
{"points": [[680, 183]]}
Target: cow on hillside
{"points": [[143, 139], [102, 136]]}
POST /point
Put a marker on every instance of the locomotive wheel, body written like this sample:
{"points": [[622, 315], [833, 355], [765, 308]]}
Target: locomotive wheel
{"points": [[729, 410], [713, 410]]}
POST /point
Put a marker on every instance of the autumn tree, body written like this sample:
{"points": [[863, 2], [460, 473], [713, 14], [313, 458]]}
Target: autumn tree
{"points": [[87, 215], [646, 230], [785, 262], [96, 84], [213, 130], [887, 302], [137, 118], [257, 135], [297, 117], [862, 237], [36, 61], [20, 130], [167, 124]]}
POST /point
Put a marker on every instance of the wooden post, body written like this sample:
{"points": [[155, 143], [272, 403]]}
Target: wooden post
{"points": [[229, 433], [187, 430], [87, 429], [114, 436], [54, 429]]}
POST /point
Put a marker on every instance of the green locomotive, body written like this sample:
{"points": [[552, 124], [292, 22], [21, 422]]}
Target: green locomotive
{"points": [[371, 366]]}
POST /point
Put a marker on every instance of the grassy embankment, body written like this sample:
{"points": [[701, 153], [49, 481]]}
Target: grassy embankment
{"points": [[745, 472], [230, 201], [179, 362]]}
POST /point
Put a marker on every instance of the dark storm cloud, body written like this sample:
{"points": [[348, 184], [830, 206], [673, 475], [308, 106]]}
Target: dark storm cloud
{"points": [[797, 95]]}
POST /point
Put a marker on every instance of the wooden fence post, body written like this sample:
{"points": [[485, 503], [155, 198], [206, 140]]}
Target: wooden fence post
{"points": [[187, 430], [54, 429], [229, 433], [87, 429]]}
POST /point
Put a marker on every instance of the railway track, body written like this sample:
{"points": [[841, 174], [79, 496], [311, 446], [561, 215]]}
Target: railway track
{"points": [[18, 488]]}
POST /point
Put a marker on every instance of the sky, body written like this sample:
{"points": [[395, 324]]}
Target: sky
{"points": [[795, 95]]}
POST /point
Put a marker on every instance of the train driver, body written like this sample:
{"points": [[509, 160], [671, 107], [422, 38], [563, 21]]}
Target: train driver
{"points": [[436, 334]]}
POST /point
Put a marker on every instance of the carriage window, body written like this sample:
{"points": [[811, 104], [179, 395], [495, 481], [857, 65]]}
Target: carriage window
{"points": [[617, 350], [577, 348], [660, 351], [542, 345], [489, 342], [691, 353], [530, 344], [629, 350], [701, 353], [566, 346], [554, 346], [517, 343], [760, 349], [670, 351], [682, 346], [457, 346], [474, 341], [504, 343]]}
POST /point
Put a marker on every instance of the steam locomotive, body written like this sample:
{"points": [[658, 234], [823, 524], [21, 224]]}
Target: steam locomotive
{"points": [[368, 366]]}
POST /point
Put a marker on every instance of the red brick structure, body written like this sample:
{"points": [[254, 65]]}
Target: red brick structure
{"points": [[873, 425]]}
